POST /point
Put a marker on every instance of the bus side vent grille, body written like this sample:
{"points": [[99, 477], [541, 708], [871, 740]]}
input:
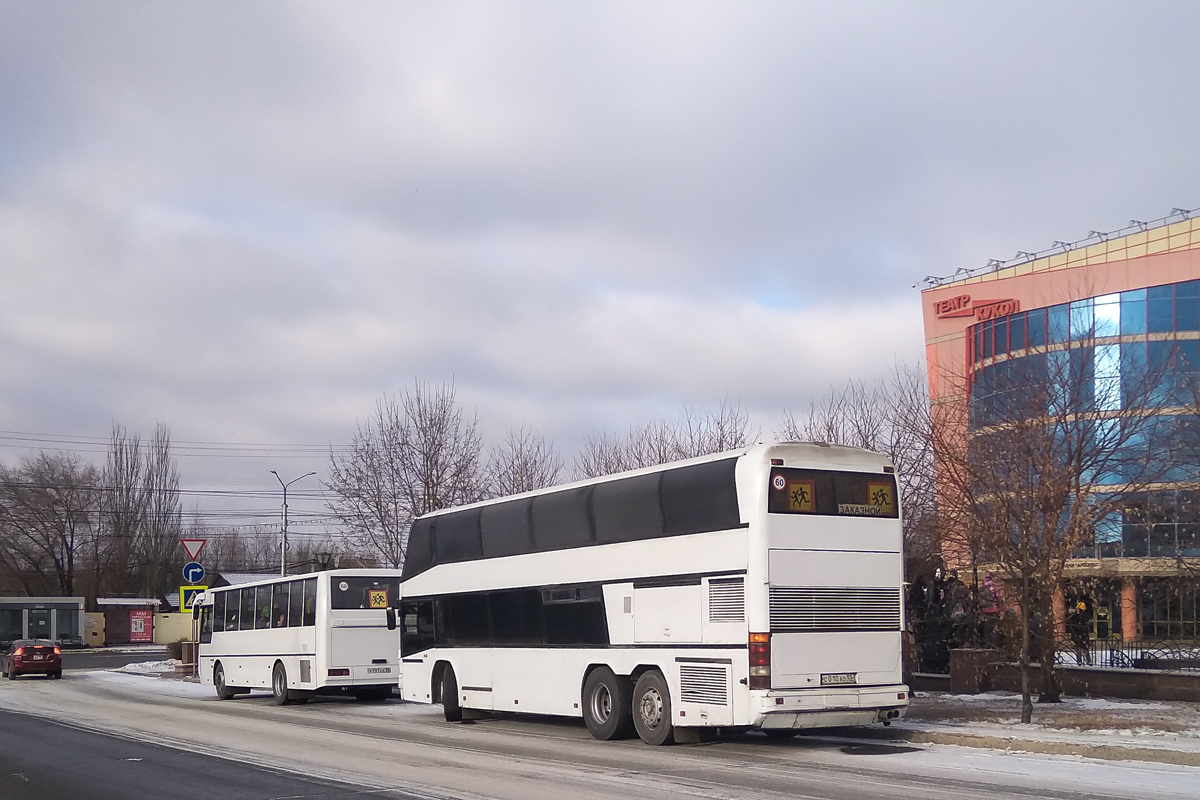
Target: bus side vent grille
{"points": [[704, 683], [726, 600], [795, 610], [305, 670]]}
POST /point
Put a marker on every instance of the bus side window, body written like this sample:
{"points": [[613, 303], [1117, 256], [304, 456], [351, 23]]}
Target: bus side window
{"points": [[262, 618], [310, 601], [219, 611], [247, 613], [296, 606], [279, 605], [416, 633]]}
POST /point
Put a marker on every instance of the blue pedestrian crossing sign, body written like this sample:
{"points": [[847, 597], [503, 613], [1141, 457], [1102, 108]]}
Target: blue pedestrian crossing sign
{"points": [[193, 572], [188, 595]]}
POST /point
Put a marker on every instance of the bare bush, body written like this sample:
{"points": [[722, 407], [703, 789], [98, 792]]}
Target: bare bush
{"points": [[695, 432], [524, 461]]}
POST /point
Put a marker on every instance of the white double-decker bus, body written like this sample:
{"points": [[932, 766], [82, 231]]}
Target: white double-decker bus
{"points": [[759, 588], [326, 632]]}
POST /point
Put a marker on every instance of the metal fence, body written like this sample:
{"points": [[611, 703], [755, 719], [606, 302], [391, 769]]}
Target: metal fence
{"points": [[1141, 654]]}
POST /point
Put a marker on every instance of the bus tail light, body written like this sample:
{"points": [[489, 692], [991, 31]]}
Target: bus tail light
{"points": [[760, 661], [339, 673]]}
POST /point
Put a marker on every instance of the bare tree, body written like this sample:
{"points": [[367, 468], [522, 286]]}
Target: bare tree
{"points": [[122, 510], [417, 454], [695, 432], [524, 461], [47, 519], [161, 522], [890, 416], [1048, 451]]}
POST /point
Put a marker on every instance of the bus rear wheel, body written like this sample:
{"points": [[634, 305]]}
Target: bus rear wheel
{"points": [[279, 685], [450, 707], [652, 709], [607, 708], [223, 691]]}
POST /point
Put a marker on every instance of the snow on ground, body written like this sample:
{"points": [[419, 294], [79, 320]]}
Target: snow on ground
{"points": [[1149, 718], [147, 683]]}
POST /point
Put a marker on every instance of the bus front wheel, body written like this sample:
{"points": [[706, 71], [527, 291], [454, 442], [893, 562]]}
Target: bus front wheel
{"points": [[652, 709], [450, 707], [607, 708], [223, 691]]}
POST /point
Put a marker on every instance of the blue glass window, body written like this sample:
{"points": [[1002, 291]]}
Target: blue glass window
{"points": [[1159, 367], [1083, 375], [987, 339], [1108, 315], [1016, 332], [1133, 371], [1108, 377], [1133, 312], [1187, 306], [1001, 330], [1160, 309], [1187, 356], [1037, 327], [977, 343], [1058, 324], [1082, 322]]}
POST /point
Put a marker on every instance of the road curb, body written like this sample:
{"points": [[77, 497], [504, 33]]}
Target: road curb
{"points": [[1017, 744]]}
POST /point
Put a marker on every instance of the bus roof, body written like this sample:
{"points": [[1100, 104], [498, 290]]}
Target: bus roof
{"points": [[832, 456]]}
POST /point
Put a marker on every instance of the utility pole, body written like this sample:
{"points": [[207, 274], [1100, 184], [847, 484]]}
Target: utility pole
{"points": [[283, 532]]}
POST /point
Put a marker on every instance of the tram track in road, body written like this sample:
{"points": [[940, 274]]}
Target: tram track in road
{"points": [[406, 748]]}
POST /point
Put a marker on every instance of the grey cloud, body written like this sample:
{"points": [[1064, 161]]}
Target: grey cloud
{"points": [[250, 221]]}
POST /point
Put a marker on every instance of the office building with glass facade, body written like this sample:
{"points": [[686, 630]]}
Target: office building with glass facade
{"points": [[1121, 313]]}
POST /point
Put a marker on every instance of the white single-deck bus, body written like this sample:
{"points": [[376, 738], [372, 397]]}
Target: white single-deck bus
{"points": [[300, 635], [759, 588]]}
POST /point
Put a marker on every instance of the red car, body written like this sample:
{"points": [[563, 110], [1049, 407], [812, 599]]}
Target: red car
{"points": [[32, 656]]}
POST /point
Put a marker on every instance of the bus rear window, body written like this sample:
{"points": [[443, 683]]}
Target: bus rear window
{"points": [[829, 493], [363, 592]]}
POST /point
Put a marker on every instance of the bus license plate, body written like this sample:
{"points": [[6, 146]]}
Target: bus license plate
{"points": [[838, 678], [379, 670]]}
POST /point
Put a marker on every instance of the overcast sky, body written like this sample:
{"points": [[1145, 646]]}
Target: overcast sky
{"points": [[250, 221]]}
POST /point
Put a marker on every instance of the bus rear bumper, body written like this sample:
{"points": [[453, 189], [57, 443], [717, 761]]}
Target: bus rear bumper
{"points": [[799, 709]]}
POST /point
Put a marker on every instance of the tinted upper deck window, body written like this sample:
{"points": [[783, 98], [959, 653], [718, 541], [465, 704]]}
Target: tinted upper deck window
{"points": [[419, 556], [628, 510], [829, 493], [702, 497], [561, 519], [457, 536], [507, 528]]}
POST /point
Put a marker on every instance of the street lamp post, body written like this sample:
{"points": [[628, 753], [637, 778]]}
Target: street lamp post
{"points": [[283, 532]]}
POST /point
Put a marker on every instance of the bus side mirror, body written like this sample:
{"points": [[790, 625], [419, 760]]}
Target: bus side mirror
{"points": [[391, 619]]}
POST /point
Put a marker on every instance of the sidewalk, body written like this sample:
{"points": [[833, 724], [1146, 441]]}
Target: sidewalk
{"points": [[1136, 730]]}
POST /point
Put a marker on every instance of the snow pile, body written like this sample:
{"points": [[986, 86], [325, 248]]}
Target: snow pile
{"points": [[150, 667]]}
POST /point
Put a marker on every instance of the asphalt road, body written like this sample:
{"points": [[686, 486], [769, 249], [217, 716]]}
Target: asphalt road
{"points": [[41, 760], [397, 749]]}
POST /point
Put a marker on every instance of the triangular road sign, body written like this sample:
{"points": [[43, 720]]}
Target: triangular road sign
{"points": [[193, 547]]}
